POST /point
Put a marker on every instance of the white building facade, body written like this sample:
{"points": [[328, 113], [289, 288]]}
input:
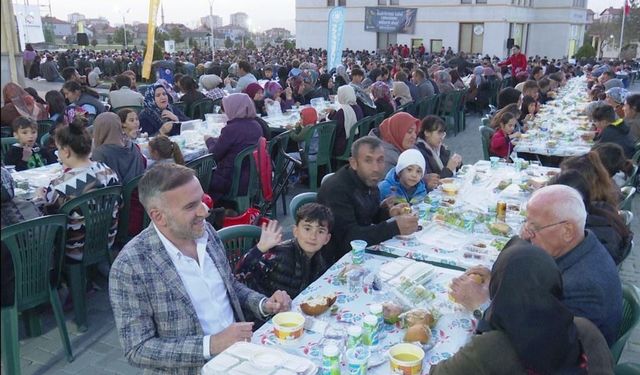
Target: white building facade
{"points": [[552, 28], [240, 19]]}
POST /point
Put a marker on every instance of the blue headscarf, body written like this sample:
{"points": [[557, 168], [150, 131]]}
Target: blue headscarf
{"points": [[150, 102]]}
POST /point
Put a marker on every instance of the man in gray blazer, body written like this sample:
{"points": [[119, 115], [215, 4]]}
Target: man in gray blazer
{"points": [[175, 300]]}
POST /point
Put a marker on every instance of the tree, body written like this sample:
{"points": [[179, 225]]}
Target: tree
{"points": [[94, 42], [161, 36], [586, 51], [604, 30], [228, 43], [289, 44], [193, 43], [249, 44], [109, 39], [176, 35], [118, 36], [49, 36]]}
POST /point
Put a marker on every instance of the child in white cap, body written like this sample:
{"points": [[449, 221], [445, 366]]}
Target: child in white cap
{"points": [[405, 180]]}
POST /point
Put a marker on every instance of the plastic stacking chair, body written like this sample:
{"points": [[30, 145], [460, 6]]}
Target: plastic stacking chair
{"points": [[36, 247], [200, 107], [182, 106], [6, 145], [630, 319], [204, 166], [124, 215], [627, 193], [300, 200], [485, 135], [362, 127], [136, 108], [326, 132], [627, 368], [410, 108], [238, 240], [243, 196], [428, 106], [44, 126], [97, 208], [283, 166]]}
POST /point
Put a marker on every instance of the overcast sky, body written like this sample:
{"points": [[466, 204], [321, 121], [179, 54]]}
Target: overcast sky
{"points": [[264, 14]]}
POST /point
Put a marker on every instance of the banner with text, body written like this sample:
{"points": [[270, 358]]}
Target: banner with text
{"points": [[390, 20], [151, 38], [335, 37]]}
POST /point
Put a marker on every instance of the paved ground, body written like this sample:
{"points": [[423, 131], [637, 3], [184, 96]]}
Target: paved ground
{"points": [[98, 351]]}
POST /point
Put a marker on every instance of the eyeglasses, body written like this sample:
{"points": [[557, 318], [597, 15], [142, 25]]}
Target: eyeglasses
{"points": [[532, 232]]}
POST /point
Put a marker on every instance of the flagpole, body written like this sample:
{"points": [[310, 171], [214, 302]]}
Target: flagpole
{"points": [[624, 13]]}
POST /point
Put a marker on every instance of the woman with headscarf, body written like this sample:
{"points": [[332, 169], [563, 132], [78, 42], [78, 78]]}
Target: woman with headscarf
{"points": [[158, 116], [382, 98], [326, 85], [191, 94], [348, 114], [241, 131], [256, 93], [476, 81], [528, 324], [113, 148], [401, 93], [342, 78], [211, 83], [397, 133], [17, 102], [273, 91]]}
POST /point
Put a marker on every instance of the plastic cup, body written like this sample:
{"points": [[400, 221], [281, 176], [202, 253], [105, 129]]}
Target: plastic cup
{"points": [[406, 359], [370, 330], [355, 279], [494, 161], [357, 251], [357, 359]]}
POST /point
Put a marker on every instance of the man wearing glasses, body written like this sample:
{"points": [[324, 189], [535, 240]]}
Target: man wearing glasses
{"points": [[555, 222]]}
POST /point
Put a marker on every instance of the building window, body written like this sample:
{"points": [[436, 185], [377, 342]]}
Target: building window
{"points": [[342, 3], [395, 2], [519, 33], [481, 1], [382, 2], [331, 3], [471, 37], [465, 1]]}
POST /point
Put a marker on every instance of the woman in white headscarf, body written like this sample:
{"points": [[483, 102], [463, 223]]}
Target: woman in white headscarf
{"points": [[401, 93], [211, 83], [345, 118]]}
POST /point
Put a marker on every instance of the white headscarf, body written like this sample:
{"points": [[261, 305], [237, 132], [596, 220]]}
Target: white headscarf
{"points": [[347, 98]]}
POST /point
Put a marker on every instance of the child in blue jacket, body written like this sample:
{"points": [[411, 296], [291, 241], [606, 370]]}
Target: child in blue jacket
{"points": [[405, 180]]}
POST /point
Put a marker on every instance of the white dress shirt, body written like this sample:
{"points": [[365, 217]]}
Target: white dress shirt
{"points": [[205, 287]]}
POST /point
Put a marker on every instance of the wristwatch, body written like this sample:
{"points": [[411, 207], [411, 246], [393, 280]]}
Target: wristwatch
{"points": [[477, 313]]}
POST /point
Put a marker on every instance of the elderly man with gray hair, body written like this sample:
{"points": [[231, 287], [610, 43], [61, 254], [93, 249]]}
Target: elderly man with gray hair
{"points": [[555, 223]]}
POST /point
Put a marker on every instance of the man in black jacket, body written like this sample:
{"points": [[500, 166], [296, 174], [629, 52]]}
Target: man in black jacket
{"points": [[353, 196]]}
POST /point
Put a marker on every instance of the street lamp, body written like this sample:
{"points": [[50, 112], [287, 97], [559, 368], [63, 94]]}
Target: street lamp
{"points": [[124, 25], [213, 38]]}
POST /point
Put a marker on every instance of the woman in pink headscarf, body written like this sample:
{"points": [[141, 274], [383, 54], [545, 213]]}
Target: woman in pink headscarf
{"points": [[17, 102], [398, 133]]}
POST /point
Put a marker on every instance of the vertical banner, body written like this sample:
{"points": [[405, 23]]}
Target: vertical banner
{"points": [[334, 37], [151, 37]]}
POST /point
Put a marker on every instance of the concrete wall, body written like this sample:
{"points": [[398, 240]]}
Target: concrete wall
{"points": [[549, 23]]}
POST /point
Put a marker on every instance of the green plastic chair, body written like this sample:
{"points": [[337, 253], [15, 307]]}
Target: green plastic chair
{"points": [[200, 107], [494, 89], [122, 237], [204, 166], [630, 319], [627, 368], [6, 145], [44, 126], [300, 200], [451, 109], [142, 89], [244, 201], [136, 108], [363, 127], [36, 248], [428, 106], [45, 139], [97, 208], [485, 135], [627, 193], [182, 106], [410, 108], [506, 82], [238, 240], [326, 133], [460, 118], [377, 120]]}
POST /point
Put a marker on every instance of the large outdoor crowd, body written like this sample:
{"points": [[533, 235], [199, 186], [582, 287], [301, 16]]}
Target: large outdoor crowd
{"points": [[560, 270]]}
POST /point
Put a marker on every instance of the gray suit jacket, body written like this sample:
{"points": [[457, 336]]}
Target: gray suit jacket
{"points": [[157, 324]]}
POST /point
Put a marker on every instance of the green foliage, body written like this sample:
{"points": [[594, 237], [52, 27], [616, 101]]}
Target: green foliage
{"points": [[49, 36], [228, 43], [193, 43], [249, 44], [118, 36], [109, 39], [586, 51], [161, 36], [289, 44], [176, 35], [94, 42]]}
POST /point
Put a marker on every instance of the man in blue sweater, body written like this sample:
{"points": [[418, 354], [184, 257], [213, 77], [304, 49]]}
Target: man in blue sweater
{"points": [[555, 222]]}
